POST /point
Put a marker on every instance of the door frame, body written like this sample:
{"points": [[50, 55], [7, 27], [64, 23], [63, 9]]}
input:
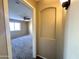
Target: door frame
{"points": [[6, 17]]}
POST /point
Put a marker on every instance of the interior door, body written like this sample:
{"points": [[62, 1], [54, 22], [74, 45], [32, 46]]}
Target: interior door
{"points": [[47, 45]]}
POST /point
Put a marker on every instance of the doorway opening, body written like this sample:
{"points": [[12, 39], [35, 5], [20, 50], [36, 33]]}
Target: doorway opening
{"points": [[22, 30]]}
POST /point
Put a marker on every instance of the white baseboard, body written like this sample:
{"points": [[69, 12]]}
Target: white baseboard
{"points": [[41, 57]]}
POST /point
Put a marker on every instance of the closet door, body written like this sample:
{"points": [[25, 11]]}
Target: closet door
{"points": [[47, 33]]}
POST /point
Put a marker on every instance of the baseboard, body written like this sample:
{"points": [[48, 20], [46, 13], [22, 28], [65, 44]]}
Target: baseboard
{"points": [[41, 57]]}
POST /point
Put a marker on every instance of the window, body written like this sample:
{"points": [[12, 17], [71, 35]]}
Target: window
{"points": [[11, 26], [15, 26]]}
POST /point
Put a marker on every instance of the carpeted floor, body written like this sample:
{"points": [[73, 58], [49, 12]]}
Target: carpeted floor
{"points": [[22, 47]]}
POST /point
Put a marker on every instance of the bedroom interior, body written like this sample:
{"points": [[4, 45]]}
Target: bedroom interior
{"points": [[20, 22]]}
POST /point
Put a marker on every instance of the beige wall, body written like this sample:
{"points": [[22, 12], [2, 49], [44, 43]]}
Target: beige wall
{"points": [[60, 32], [71, 50]]}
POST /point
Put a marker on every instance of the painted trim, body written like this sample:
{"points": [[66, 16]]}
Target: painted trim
{"points": [[6, 18], [41, 57]]}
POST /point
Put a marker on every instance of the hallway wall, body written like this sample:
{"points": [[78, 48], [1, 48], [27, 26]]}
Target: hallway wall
{"points": [[71, 50]]}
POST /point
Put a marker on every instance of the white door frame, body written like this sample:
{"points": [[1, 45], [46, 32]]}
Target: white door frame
{"points": [[6, 15]]}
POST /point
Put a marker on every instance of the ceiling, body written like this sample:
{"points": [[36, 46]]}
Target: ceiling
{"points": [[17, 10], [37, 0]]}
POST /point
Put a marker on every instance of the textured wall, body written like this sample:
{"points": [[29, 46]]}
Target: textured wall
{"points": [[60, 32], [71, 50]]}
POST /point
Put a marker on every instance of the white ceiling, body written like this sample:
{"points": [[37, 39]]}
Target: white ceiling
{"points": [[18, 11]]}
